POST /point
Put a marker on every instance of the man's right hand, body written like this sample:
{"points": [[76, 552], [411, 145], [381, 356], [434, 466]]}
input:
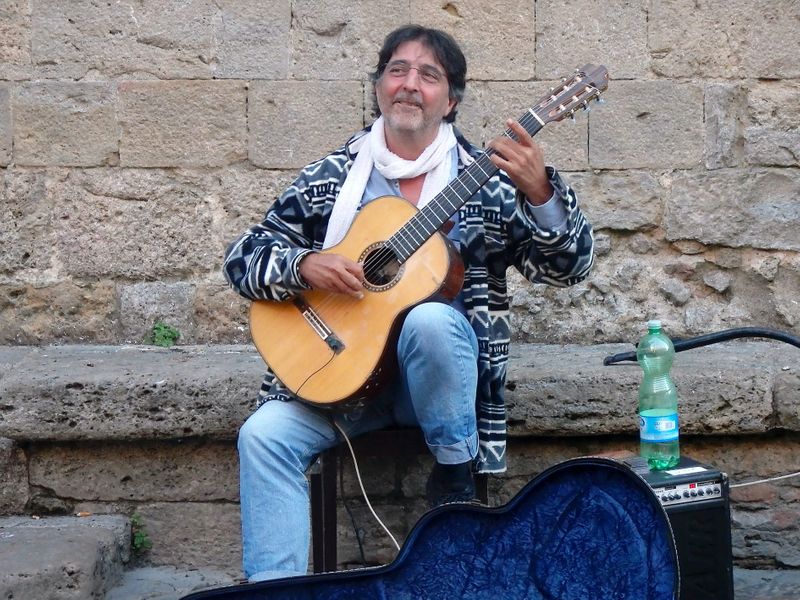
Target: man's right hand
{"points": [[334, 273]]}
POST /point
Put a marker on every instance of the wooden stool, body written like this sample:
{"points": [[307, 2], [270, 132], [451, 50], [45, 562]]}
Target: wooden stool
{"points": [[383, 443]]}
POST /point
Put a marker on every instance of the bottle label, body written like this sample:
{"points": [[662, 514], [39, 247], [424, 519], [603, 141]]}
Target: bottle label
{"points": [[658, 428]]}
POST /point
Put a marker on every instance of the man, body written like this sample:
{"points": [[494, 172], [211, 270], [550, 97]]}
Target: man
{"points": [[451, 357]]}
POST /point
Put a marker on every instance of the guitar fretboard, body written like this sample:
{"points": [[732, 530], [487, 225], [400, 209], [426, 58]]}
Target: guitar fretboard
{"points": [[435, 214]]}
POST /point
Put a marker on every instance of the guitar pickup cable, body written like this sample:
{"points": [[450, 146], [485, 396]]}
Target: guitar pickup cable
{"points": [[363, 491]]}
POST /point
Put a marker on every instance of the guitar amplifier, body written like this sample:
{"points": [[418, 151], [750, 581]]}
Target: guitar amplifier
{"points": [[696, 499]]}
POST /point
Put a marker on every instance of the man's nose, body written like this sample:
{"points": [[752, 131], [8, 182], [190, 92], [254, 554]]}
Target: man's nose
{"points": [[411, 80]]}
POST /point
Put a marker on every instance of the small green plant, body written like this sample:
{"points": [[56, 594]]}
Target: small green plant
{"points": [[163, 335], [140, 542]]}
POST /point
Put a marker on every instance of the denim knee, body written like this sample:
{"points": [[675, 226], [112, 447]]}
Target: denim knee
{"points": [[433, 327], [261, 442]]}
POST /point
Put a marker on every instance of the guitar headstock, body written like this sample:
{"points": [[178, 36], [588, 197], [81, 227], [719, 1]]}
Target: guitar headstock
{"points": [[574, 93]]}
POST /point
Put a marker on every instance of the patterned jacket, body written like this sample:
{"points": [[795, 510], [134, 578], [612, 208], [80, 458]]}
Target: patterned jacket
{"points": [[496, 230]]}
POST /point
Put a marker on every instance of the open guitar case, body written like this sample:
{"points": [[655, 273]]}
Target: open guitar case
{"points": [[588, 528]]}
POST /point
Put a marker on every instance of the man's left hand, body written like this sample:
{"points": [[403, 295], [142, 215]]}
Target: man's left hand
{"points": [[523, 161]]}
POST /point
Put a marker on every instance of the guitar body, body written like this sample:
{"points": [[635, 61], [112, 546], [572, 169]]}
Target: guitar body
{"points": [[330, 348]]}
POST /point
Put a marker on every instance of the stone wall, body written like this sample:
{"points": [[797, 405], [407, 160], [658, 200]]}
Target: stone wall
{"points": [[137, 141]]}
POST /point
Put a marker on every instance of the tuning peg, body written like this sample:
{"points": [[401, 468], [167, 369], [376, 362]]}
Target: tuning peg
{"points": [[586, 106], [600, 99]]}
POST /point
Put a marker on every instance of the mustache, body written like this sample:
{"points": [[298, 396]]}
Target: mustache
{"points": [[409, 98]]}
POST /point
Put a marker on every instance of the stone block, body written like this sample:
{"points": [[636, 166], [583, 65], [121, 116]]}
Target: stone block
{"points": [[244, 194], [143, 304], [338, 40], [26, 238], [284, 120], [735, 207], [786, 290], [787, 397], [621, 200], [738, 39], [725, 107], [182, 123], [772, 136], [752, 126], [15, 40], [220, 316], [497, 38], [648, 124], [612, 33], [759, 536], [194, 534], [127, 392], [253, 40], [65, 124], [5, 124], [66, 312], [130, 40], [721, 392], [488, 105], [64, 557], [140, 393], [133, 224], [175, 471], [14, 491]]}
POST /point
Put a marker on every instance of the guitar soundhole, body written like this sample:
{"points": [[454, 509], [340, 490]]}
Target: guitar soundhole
{"points": [[382, 268]]}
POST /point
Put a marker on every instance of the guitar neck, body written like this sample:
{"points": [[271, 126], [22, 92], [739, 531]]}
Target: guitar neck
{"points": [[444, 205]]}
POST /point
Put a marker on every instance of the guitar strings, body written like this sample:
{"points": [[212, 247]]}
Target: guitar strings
{"points": [[381, 258]]}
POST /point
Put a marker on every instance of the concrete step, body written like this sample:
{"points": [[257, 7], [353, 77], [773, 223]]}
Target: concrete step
{"points": [[62, 558], [167, 583], [751, 584]]}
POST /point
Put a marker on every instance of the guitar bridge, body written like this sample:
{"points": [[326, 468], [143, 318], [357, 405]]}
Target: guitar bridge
{"points": [[318, 325]]}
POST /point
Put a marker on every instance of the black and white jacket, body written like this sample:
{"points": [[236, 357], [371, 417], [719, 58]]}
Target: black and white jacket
{"points": [[496, 230]]}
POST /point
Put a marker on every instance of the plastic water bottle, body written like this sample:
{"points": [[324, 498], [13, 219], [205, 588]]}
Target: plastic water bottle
{"points": [[658, 400]]}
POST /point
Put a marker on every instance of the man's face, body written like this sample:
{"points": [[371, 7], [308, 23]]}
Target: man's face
{"points": [[413, 93]]}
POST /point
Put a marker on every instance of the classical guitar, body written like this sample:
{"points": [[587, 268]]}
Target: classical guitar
{"points": [[330, 348]]}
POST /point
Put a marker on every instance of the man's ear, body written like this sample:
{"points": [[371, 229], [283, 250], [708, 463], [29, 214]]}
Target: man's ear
{"points": [[452, 103]]}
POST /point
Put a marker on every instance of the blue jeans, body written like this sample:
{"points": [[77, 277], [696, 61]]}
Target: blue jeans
{"points": [[435, 389]]}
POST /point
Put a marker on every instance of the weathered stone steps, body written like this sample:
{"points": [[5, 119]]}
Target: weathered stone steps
{"points": [[124, 429]]}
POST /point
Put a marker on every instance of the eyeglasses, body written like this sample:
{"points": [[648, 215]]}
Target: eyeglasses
{"points": [[428, 74]]}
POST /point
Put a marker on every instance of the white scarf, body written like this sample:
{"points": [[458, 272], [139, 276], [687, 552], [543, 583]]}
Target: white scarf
{"points": [[372, 152]]}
